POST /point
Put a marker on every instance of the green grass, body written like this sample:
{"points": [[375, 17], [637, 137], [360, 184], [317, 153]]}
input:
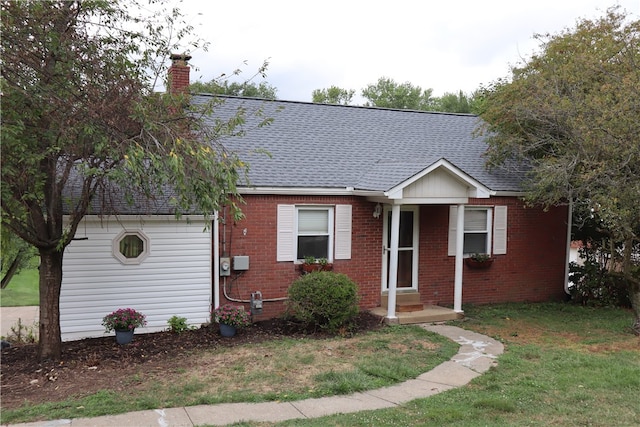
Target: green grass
{"points": [[276, 370], [564, 365], [22, 290]]}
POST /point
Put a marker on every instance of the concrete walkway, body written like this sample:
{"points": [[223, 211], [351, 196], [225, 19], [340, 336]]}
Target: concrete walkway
{"points": [[476, 355]]}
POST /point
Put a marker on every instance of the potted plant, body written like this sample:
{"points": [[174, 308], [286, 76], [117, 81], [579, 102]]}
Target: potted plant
{"points": [[311, 264], [230, 317], [124, 321], [479, 260]]}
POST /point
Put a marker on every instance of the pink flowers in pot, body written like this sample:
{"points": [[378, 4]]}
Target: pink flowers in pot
{"points": [[231, 315], [123, 319]]}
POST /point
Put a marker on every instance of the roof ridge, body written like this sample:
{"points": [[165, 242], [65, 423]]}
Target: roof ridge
{"points": [[364, 107]]}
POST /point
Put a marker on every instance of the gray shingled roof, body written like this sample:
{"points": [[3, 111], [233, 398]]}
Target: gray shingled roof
{"points": [[334, 146]]}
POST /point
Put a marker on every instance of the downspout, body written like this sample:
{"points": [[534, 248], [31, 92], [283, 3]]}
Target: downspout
{"points": [[216, 262], [568, 251]]}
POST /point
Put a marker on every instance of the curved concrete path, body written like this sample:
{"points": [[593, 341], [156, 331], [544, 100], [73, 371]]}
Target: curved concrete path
{"points": [[476, 355]]}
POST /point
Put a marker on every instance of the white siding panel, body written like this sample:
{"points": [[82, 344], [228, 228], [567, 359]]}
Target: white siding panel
{"points": [[438, 183], [175, 279]]}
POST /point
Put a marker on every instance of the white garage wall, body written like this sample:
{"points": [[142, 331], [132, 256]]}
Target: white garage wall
{"points": [[174, 279]]}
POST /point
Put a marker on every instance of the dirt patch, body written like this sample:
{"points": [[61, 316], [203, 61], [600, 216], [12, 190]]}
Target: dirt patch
{"points": [[90, 365]]}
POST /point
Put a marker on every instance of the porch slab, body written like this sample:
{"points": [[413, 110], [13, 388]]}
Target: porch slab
{"points": [[428, 314]]}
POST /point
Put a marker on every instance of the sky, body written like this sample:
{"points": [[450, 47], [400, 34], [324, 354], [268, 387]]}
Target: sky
{"points": [[443, 45]]}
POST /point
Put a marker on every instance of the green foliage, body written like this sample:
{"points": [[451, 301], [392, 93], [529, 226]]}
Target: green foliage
{"points": [[23, 334], [596, 286], [333, 95], [178, 324], [389, 94], [16, 255], [245, 89], [84, 130], [453, 103], [324, 299], [568, 118]]}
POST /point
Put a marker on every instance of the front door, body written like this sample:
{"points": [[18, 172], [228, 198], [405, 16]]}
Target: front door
{"points": [[407, 249]]}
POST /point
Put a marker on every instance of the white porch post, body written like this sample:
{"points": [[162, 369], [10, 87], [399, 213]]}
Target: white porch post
{"points": [[457, 287], [393, 261]]}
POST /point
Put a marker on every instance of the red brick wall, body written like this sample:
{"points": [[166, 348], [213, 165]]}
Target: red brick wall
{"points": [[272, 278], [532, 269]]}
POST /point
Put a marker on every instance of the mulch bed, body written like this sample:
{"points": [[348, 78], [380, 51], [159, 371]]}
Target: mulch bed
{"points": [[94, 364]]}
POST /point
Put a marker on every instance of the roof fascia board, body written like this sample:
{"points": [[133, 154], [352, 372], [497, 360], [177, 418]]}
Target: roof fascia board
{"points": [[297, 191]]}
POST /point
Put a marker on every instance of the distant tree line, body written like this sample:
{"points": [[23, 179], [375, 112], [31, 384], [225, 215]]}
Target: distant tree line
{"points": [[385, 93]]}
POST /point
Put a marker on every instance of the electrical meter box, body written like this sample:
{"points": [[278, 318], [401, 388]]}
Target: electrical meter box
{"points": [[241, 263], [225, 266]]}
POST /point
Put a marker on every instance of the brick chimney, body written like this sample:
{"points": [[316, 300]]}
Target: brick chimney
{"points": [[178, 74]]}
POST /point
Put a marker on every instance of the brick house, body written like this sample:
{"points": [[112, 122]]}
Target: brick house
{"points": [[397, 200]]}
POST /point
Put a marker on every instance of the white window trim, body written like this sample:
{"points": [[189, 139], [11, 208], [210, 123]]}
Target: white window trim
{"points": [[330, 228], [487, 230], [496, 229], [340, 231], [115, 247]]}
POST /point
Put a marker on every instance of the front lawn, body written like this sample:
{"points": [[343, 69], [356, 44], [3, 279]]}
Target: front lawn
{"points": [[564, 365]]}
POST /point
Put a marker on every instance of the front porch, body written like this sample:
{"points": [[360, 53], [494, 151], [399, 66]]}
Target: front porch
{"points": [[409, 310]]}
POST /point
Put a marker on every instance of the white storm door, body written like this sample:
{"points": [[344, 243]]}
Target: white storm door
{"points": [[407, 248]]}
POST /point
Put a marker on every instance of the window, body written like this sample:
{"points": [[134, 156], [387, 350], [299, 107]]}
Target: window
{"points": [[477, 223], [131, 247], [313, 233], [321, 231], [482, 227]]}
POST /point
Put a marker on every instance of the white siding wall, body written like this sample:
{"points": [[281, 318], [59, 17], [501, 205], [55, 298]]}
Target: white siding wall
{"points": [[174, 279]]}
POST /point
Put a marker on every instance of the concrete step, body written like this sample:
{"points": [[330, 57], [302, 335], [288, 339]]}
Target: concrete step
{"points": [[402, 298], [429, 314], [408, 307]]}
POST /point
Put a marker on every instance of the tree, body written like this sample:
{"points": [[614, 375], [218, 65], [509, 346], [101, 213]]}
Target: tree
{"points": [[246, 89], [16, 255], [389, 94], [81, 126], [333, 95], [453, 103], [570, 116]]}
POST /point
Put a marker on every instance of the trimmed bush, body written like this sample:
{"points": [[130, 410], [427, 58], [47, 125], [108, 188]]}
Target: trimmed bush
{"points": [[324, 299]]}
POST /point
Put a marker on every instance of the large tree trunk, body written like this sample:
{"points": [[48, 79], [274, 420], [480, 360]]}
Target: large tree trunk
{"points": [[50, 339]]}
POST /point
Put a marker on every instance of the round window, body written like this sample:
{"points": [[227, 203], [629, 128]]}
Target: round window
{"points": [[131, 247]]}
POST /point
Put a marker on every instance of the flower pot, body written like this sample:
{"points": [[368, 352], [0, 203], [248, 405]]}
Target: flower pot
{"points": [[310, 268], [227, 330], [475, 264], [124, 336]]}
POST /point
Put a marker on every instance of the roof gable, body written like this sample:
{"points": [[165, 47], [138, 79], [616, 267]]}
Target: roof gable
{"points": [[441, 181]]}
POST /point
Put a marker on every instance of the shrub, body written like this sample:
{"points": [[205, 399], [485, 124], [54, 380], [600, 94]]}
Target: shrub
{"points": [[323, 299], [595, 286], [178, 324]]}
